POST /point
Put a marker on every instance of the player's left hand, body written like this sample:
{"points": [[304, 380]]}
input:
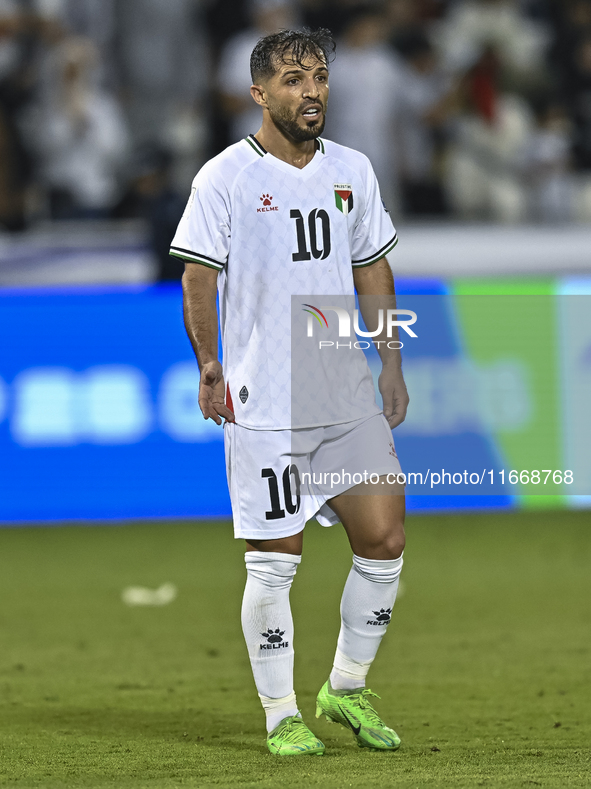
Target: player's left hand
{"points": [[394, 395]]}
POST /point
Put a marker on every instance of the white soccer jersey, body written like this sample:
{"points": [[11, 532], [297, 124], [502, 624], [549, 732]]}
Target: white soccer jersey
{"points": [[273, 231]]}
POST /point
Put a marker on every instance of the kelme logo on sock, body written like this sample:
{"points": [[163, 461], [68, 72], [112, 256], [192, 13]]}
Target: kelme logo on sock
{"points": [[383, 617], [274, 639]]}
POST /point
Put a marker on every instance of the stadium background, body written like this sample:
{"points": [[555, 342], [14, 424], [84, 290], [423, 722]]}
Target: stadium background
{"points": [[477, 117]]}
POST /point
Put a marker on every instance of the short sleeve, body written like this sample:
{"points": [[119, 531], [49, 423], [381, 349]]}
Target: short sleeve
{"points": [[203, 234], [374, 235]]}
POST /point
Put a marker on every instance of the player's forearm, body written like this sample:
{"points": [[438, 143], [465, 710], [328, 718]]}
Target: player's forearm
{"points": [[200, 311], [375, 288]]}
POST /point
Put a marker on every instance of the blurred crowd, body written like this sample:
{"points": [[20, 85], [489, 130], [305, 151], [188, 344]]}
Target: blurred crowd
{"points": [[468, 109]]}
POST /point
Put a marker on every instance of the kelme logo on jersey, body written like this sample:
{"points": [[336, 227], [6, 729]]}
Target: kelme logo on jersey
{"points": [[343, 195], [267, 204]]}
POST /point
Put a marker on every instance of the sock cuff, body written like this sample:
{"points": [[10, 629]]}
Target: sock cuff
{"points": [[255, 557], [273, 705], [273, 570], [278, 709], [380, 571], [349, 668]]}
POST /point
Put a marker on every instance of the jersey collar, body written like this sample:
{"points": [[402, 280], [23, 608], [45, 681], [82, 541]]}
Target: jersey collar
{"points": [[255, 145], [311, 167]]}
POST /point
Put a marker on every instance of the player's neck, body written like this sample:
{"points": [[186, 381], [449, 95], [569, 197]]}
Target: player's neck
{"points": [[298, 154]]}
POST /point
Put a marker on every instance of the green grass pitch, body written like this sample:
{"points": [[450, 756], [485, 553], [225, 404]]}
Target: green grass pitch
{"points": [[485, 671]]}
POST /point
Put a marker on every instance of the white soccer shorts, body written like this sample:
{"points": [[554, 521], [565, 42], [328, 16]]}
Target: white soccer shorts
{"points": [[279, 479]]}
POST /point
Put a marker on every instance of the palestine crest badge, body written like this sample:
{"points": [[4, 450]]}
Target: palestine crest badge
{"points": [[343, 195]]}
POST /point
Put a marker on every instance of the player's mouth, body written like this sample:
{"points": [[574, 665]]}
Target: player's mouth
{"points": [[312, 112]]}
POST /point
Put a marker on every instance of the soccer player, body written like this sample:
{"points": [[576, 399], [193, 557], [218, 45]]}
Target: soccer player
{"points": [[282, 213]]}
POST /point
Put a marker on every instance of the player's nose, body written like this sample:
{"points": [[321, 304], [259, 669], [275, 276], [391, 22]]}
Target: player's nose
{"points": [[311, 89]]}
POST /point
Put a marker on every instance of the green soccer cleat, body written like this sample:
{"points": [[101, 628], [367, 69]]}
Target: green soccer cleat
{"points": [[352, 709], [293, 738]]}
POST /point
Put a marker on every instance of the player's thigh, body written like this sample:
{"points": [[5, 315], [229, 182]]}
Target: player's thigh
{"points": [[371, 511], [374, 521], [293, 544], [266, 502]]}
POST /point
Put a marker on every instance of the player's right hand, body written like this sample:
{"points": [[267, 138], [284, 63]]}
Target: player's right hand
{"points": [[212, 393]]}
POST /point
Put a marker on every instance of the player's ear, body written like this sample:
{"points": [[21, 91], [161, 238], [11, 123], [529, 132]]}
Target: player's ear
{"points": [[259, 95]]}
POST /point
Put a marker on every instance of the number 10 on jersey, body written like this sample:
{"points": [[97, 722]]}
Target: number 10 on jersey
{"points": [[308, 242]]}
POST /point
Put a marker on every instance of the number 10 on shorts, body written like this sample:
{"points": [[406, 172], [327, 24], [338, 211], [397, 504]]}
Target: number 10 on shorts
{"points": [[276, 510]]}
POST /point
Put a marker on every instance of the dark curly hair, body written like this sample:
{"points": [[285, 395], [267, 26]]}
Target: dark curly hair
{"points": [[296, 45]]}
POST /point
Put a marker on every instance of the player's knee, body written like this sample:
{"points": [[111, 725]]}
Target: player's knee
{"points": [[387, 543], [273, 570], [393, 544]]}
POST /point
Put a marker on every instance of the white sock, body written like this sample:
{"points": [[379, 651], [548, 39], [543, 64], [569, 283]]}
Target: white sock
{"points": [[267, 625], [278, 709], [366, 607]]}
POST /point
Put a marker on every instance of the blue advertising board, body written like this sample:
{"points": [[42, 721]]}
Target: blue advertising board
{"points": [[98, 408], [99, 417]]}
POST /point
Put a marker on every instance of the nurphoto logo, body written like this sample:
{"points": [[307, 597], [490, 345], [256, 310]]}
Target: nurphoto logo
{"points": [[388, 320]]}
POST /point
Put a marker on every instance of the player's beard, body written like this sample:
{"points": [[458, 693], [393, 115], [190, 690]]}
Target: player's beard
{"points": [[287, 122]]}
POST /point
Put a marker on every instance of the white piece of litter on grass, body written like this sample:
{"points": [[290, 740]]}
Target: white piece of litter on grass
{"points": [[141, 595]]}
